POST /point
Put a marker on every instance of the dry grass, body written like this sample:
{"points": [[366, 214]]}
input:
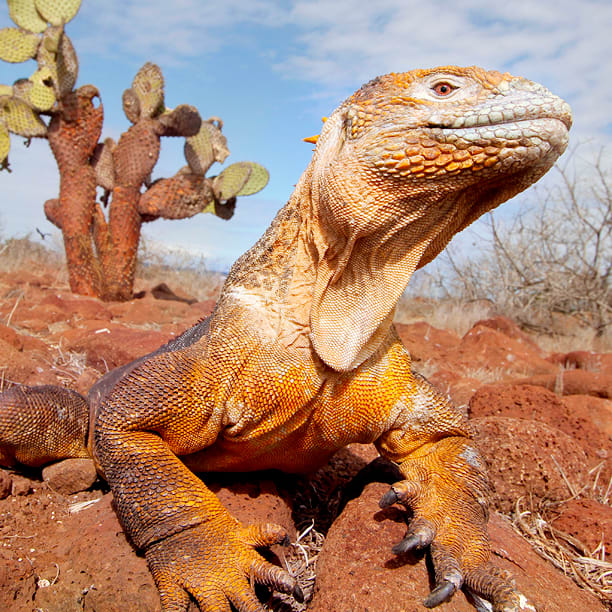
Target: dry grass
{"points": [[17, 254], [588, 569], [580, 339], [69, 365], [453, 315], [300, 561], [180, 269]]}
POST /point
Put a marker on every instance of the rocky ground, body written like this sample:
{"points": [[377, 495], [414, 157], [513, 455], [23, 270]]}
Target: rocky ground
{"points": [[544, 427]]}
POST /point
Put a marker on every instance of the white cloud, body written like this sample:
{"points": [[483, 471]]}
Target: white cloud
{"points": [[339, 44], [563, 44], [168, 32]]}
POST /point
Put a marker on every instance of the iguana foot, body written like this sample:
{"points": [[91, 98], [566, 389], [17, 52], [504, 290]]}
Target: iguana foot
{"points": [[217, 564], [459, 550]]}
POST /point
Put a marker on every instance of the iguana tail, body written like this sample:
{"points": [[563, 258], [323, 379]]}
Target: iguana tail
{"points": [[42, 424]]}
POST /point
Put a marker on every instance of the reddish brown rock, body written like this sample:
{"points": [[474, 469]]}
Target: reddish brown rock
{"points": [[78, 306], [148, 311], [491, 350], [6, 484], [519, 402], [11, 337], [113, 345], [98, 568], [356, 570], [540, 404], [425, 342], [573, 382], [251, 500], [584, 360], [588, 521], [20, 485], [509, 328], [70, 476], [526, 457], [597, 409], [29, 367], [459, 388]]}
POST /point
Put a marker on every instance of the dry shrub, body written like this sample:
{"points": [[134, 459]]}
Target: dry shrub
{"points": [[179, 268], [550, 267], [451, 314], [17, 254]]}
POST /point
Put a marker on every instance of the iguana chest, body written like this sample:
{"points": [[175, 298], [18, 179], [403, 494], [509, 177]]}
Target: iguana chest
{"points": [[293, 414]]}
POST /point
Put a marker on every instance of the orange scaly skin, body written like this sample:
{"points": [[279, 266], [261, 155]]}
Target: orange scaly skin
{"points": [[300, 357]]}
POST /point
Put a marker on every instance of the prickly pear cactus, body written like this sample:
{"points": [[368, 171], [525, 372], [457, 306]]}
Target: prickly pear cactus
{"points": [[101, 247], [17, 46], [26, 16], [240, 179], [40, 36], [20, 118], [206, 147], [148, 85]]}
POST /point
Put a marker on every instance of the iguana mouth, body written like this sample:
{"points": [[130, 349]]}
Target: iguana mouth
{"points": [[527, 132], [482, 121]]}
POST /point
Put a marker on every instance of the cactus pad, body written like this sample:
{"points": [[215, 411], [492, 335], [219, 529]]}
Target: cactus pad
{"points": [[179, 197], [41, 95], [242, 178], [51, 39], [131, 105], [257, 180], [102, 161], [5, 143], [25, 15], [67, 66], [58, 12], [184, 121], [17, 45], [6, 90], [148, 84], [209, 145], [20, 118], [21, 89]]}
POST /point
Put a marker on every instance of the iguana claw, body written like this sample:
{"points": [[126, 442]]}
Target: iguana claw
{"points": [[217, 564], [443, 592], [420, 534]]}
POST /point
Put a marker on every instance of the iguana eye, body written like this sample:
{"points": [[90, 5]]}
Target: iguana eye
{"points": [[443, 89]]}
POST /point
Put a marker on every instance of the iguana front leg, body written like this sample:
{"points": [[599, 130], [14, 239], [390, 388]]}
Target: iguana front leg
{"points": [[192, 544], [446, 487]]}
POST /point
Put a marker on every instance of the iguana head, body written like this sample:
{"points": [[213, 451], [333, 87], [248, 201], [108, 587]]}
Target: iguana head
{"points": [[400, 167]]}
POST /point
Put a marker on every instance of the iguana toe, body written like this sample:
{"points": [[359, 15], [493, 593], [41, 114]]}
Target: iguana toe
{"points": [[441, 593], [218, 565], [496, 586]]}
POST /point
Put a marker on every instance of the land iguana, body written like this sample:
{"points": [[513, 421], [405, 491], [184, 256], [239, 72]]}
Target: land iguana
{"points": [[300, 357]]}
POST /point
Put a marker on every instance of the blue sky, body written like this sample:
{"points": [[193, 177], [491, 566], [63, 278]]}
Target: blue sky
{"points": [[271, 69]]}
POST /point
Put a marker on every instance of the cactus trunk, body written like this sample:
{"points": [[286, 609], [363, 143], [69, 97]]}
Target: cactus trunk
{"points": [[77, 200], [124, 231]]}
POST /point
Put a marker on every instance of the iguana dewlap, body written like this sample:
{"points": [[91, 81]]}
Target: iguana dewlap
{"points": [[300, 357]]}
